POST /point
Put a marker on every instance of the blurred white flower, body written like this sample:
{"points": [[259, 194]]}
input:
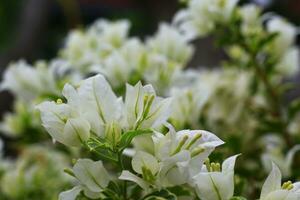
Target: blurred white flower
{"points": [[288, 65], [86, 48], [27, 82], [275, 155], [251, 21], [170, 43], [201, 16], [286, 34]]}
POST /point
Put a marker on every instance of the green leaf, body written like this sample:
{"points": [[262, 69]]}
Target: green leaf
{"points": [[180, 191], [127, 137], [294, 108], [161, 195], [101, 148]]}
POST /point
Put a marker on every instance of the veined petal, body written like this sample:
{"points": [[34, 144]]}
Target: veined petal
{"points": [[143, 159], [70, 194], [98, 95], [126, 175], [228, 164], [272, 183], [92, 174], [76, 131]]}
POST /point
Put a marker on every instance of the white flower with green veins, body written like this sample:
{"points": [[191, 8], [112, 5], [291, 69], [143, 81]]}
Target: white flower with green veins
{"points": [[273, 190], [216, 182], [143, 109], [93, 179]]}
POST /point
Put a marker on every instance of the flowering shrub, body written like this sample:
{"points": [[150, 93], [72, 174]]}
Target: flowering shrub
{"points": [[135, 121]]}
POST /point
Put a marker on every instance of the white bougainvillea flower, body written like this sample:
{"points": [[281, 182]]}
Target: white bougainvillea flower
{"points": [[288, 65], [284, 163], [63, 123], [99, 103], [147, 166], [27, 82], [155, 173], [251, 21], [286, 34], [198, 143], [214, 182], [170, 43], [201, 16], [93, 179], [143, 108], [119, 66], [187, 104], [273, 190], [87, 48]]}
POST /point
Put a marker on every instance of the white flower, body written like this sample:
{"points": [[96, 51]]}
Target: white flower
{"points": [[177, 158], [251, 21], [143, 108], [97, 102], [215, 183], [289, 63], [93, 179], [84, 49], [272, 189], [170, 43], [63, 123], [155, 173], [188, 102], [27, 82], [201, 16], [198, 143], [287, 34], [284, 163]]}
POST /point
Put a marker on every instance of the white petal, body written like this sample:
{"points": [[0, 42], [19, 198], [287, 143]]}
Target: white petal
{"points": [[214, 185], [126, 175], [272, 183], [70, 194], [92, 174], [228, 164], [97, 93], [143, 159], [76, 131]]}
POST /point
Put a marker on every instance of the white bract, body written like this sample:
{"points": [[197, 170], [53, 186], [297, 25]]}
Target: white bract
{"points": [[27, 82], [216, 182], [168, 42], [251, 21], [143, 108], [201, 16], [93, 179], [93, 108], [188, 102], [84, 49], [286, 34], [273, 190], [178, 156], [275, 155]]}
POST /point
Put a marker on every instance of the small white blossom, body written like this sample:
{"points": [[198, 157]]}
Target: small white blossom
{"points": [[286, 34], [216, 182], [273, 190], [93, 179], [143, 108]]}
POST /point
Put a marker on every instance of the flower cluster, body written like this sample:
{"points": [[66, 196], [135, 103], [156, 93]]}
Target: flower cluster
{"points": [[135, 118]]}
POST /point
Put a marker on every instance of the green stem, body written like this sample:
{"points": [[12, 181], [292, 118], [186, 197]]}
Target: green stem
{"points": [[120, 160]]}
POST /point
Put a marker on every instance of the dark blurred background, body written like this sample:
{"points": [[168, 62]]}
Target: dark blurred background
{"points": [[35, 29]]}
